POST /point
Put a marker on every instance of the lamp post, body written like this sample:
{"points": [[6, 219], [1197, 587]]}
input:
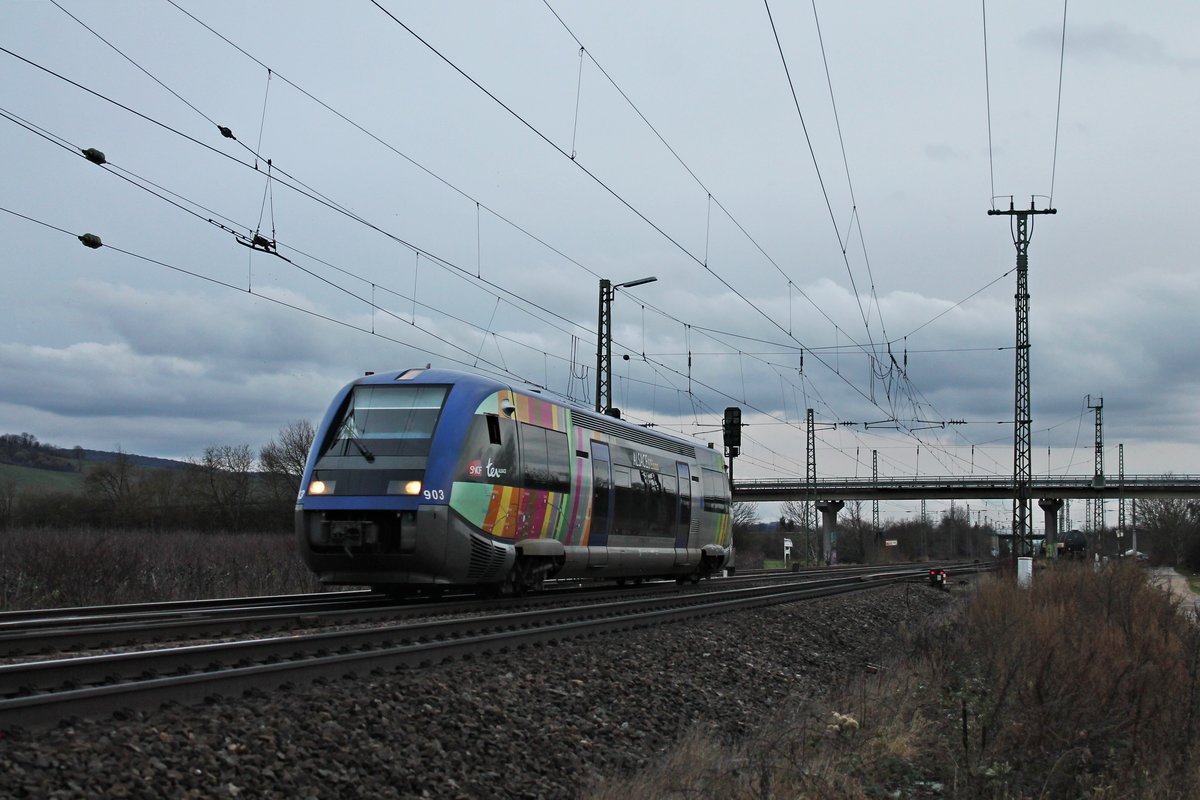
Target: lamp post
{"points": [[604, 341]]}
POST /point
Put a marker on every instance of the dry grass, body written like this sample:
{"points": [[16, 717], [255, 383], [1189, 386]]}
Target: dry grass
{"points": [[1085, 685], [56, 568]]}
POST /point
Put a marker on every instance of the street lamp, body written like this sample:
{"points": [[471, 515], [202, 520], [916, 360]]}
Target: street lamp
{"points": [[604, 341]]}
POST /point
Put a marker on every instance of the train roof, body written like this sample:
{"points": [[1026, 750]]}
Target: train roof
{"points": [[483, 385]]}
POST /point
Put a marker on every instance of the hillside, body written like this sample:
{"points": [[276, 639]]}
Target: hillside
{"points": [[27, 463], [40, 479]]}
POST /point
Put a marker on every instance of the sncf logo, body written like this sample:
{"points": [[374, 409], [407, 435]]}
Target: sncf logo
{"points": [[477, 469]]}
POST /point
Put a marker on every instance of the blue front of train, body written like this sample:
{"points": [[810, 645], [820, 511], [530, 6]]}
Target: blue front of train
{"points": [[374, 501]]}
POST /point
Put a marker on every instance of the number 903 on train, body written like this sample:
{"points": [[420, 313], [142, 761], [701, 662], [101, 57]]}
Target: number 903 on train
{"points": [[428, 479]]}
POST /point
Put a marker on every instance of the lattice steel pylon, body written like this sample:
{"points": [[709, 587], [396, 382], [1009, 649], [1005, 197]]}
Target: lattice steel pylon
{"points": [[810, 452], [604, 348], [1121, 501], [875, 503], [1022, 530], [1098, 478]]}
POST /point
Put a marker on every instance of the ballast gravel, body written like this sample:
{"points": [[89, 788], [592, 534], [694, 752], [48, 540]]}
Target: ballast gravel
{"points": [[541, 722]]}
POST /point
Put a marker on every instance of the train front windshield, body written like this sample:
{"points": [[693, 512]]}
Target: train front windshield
{"points": [[380, 442], [387, 421]]}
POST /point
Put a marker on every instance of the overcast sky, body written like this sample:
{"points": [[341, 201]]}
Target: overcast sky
{"points": [[449, 181]]}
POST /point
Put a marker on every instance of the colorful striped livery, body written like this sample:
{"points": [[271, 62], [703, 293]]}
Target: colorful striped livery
{"points": [[425, 479]]}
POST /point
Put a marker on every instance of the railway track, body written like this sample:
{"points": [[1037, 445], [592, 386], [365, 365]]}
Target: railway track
{"points": [[39, 693], [47, 631]]}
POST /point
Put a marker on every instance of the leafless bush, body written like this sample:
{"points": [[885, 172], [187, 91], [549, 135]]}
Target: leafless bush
{"points": [[1085, 685], [43, 568]]}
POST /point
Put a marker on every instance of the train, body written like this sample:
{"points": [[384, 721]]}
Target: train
{"points": [[1074, 545], [423, 480]]}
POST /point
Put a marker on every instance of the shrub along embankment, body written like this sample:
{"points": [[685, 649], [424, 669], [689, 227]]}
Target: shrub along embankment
{"points": [[1084, 685], [47, 568]]}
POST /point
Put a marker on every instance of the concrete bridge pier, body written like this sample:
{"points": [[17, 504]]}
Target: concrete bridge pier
{"points": [[1051, 507], [829, 511]]}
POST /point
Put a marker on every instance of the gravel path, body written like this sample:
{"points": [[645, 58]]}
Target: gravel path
{"points": [[536, 723], [1171, 581]]}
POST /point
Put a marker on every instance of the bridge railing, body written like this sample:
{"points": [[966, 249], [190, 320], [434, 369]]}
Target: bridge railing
{"points": [[907, 487], [960, 481]]}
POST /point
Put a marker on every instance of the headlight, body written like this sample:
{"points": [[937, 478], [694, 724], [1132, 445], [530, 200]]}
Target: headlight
{"points": [[321, 487], [412, 487]]}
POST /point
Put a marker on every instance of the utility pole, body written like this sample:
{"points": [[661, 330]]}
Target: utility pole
{"points": [[1022, 439], [604, 348], [1098, 478], [604, 341]]}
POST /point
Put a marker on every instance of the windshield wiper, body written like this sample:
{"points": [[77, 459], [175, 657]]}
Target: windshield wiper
{"points": [[348, 434], [367, 454]]}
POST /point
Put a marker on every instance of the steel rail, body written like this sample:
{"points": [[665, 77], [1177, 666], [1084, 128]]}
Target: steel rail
{"points": [[64, 630], [75, 613], [40, 693]]}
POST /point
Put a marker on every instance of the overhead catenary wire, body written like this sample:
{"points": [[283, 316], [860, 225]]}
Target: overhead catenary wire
{"points": [[817, 167], [418, 254], [376, 138], [298, 88], [601, 183], [358, 297], [987, 87], [1062, 51], [495, 368]]}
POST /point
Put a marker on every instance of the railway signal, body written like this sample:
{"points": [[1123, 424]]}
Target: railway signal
{"points": [[732, 429]]}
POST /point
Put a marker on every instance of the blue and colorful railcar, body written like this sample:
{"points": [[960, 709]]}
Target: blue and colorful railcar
{"points": [[430, 478]]}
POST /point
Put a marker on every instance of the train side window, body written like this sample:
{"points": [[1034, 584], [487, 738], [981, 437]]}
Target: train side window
{"points": [[626, 507], [559, 452], [544, 458], [493, 426], [684, 508]]}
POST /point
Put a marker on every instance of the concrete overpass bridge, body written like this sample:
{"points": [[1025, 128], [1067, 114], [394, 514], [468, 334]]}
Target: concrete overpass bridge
{"points": [[965, 488], [831, 494]]}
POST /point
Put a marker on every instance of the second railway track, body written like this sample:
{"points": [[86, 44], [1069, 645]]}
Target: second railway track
{"points": [[42, 692], [64, 630]]}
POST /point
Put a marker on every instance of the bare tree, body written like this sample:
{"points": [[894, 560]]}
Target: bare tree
{"points": [[1173, 525], [227, 482], [743, 515], [113, 482], [8, 501], [283, 459], [799, 513]]}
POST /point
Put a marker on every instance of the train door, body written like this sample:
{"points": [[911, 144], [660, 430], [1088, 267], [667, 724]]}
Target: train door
{"points": [[602, 505], [683, 511]]}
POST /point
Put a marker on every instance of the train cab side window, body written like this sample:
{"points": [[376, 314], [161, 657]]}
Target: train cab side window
{"points": [[489, 452], [716, 491]]}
